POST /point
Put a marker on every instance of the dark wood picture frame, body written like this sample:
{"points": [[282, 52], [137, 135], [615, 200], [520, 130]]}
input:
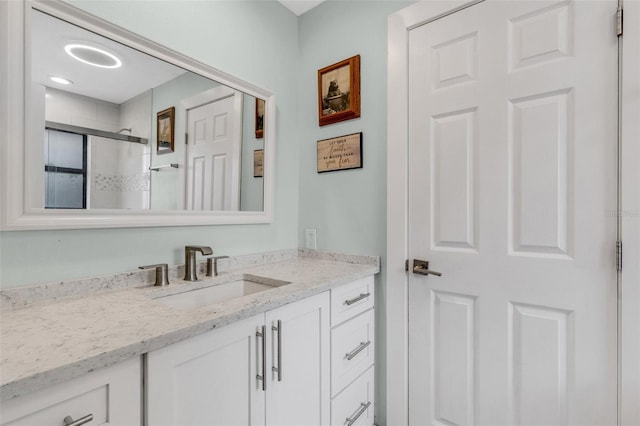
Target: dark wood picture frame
{"points": [[165, 130], [335, 101], [341, 153], [258, 163], [260, 105]]}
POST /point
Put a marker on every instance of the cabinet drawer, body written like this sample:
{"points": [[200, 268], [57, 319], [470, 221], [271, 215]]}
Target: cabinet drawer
{"points": [[352, 350], [111, 395], [355, 406], [351, 299]]}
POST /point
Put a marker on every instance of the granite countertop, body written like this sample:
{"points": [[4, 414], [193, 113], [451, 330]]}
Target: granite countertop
{"points": [[62, 334]]}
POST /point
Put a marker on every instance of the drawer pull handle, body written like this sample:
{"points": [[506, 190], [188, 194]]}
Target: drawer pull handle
{"points": [[363, 408], [278, 369], [262, 377], [357, 299], [68, 421], [357, 350]]}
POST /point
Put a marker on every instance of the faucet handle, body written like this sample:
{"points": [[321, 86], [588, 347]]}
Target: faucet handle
{"points": [[212, 265], [162, 273]]}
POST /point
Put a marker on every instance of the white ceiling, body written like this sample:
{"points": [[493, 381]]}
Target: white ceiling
{"points": [[300, 6], [139, 72]]}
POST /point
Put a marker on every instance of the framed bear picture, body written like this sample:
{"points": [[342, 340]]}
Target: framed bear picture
{"points": [[339, 91], [259, 121], [165, 128]]}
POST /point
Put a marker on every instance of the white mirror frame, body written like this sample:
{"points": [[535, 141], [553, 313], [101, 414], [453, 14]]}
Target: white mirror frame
{"points": [[16, 211]]}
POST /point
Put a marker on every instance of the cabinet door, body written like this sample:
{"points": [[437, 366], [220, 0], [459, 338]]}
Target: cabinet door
{"points": [[209, 379], [298, 381], [108, 396]]}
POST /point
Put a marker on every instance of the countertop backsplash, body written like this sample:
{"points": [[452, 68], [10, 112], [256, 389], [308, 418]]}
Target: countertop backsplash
{"points": [[20, 297]]}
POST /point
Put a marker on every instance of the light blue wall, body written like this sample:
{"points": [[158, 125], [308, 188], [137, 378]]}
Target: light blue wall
{"points": [[251, 188], [254, 40], [348, 208]]}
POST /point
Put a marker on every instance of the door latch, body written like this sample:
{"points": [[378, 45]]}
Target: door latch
{"points": [[421, 267]]}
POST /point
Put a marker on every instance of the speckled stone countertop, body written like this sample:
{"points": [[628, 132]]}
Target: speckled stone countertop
{"points": [[64, 334]]}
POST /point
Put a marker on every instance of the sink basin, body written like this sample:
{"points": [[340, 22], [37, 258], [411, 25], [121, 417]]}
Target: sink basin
{"points": [[200, 297]]}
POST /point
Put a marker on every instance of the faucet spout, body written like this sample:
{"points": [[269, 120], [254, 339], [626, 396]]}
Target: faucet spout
{"points": [[206, 251], [190, 260]]}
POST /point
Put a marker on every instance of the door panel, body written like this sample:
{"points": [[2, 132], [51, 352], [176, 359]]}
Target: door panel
{"points": [[453, 212], [512, 126], [453, 330], [539, 168], [539, 370]]}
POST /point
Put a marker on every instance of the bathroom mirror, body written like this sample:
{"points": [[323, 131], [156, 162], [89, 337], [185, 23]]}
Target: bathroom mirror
{"points": [[120, 131]]}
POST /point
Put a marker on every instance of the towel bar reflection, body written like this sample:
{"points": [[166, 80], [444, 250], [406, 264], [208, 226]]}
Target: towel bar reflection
{"points": [[157, 168]]}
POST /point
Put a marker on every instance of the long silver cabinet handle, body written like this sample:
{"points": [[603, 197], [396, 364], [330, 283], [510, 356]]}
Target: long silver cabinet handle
{"points": [[68, 421], [357, 350], [357, 299], [263, 335], [363, 408], [278, 369]]}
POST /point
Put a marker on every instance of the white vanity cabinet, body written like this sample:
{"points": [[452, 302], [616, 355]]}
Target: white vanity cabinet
{"points": [[109, 396], [271, 369], [353, 353], [298, 367], [208, 379]]}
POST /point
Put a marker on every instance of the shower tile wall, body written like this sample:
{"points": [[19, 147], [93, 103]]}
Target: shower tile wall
{"points": [[118, 171], [119, 174], [135, 114], [69, 108]]}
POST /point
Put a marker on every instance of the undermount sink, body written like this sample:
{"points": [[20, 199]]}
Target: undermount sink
{"points": [[217, 293]]}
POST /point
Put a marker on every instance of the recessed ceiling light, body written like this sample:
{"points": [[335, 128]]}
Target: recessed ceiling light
{"points": [[93, 56], [61, 80]]}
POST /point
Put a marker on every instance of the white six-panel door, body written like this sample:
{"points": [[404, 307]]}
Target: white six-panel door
{"points": [[512, 166], [214, 140]]}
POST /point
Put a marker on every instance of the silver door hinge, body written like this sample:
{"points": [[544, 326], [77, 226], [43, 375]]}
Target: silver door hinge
{"points": [[619, 14], [186, 138], [618, 255]]}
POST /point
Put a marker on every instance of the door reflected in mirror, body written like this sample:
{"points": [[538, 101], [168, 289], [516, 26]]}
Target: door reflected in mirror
{"points": [[107, 129]]}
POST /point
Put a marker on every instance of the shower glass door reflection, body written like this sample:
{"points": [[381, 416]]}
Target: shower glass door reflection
{"points": [[65, 170], [83, 171]]}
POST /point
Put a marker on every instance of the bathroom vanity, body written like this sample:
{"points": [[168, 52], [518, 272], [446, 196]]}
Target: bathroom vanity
{"points": [[281, 338]]}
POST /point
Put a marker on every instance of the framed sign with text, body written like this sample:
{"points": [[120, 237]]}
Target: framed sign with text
{"points": [[258, 163], [341, 153]]}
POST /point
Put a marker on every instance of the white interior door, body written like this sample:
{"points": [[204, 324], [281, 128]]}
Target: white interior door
{"points": [[512, 166], [214, 141]]}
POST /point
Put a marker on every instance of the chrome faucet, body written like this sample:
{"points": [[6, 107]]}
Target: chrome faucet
{"points": [[190, 260]]}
